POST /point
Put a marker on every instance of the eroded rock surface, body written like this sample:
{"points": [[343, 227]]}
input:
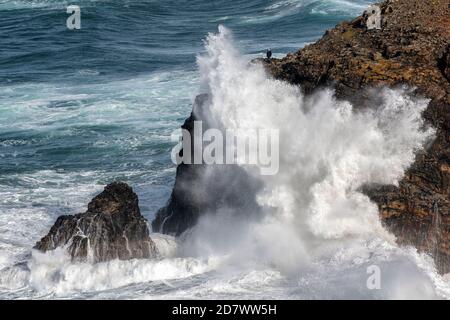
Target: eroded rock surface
{"points": [[111, 228], [201, 189]]}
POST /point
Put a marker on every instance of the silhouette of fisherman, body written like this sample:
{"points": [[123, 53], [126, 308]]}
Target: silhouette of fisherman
{"points": [[269, 54]]}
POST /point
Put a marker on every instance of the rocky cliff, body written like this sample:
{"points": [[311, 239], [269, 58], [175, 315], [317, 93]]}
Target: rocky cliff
{"points": [[111, 228], [412, 47]]}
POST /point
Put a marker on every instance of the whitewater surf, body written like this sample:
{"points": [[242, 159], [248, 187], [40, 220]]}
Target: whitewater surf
{"points": [[319, 233]]}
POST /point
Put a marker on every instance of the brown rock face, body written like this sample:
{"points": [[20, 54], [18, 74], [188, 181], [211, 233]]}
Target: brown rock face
{"points": [[411, 48], [111, 228]]}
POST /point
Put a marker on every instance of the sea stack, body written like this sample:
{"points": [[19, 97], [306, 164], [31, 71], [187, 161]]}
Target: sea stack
{"points": [[111, 228], [193, 195]]}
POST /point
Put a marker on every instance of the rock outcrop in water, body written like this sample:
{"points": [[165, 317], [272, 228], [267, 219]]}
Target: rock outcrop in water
{"points": [[193, 196], [412, 47], [111, 228]]}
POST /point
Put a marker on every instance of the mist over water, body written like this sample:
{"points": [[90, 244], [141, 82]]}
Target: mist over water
{"points": [[67, 129]]}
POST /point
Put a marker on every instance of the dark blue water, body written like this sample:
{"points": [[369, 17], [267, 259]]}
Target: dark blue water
{"points": [[123, 39]]}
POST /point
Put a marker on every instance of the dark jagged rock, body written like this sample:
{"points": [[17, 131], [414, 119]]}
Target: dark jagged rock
{"points": [[411, 48], [193, 196], [111, 228]]}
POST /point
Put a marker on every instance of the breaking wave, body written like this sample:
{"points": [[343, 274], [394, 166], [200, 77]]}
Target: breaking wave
{"points": [[318, 233], [315, 214]]}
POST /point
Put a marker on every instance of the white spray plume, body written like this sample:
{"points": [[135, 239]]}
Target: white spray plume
{"points": [[328, 151]]}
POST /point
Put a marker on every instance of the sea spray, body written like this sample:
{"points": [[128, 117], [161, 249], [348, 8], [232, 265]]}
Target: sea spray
{"points": [[329, 149]]}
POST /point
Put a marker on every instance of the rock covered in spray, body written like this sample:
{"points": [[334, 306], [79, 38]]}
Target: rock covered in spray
{"points": [[411, 46], [201, 189], [111, 228]]}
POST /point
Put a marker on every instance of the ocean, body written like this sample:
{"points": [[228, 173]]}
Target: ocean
{"points": [[82, 108]]}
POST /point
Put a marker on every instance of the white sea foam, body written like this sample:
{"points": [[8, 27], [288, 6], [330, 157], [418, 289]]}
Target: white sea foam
{"points": [[285, 8], [148, 98], [54, 272]]}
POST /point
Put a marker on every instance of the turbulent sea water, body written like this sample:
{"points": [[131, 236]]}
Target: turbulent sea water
{"points": [[79, 109]]}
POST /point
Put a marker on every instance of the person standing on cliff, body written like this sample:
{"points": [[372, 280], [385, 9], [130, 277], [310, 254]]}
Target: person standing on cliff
{"points": [[269, 54]]}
